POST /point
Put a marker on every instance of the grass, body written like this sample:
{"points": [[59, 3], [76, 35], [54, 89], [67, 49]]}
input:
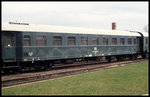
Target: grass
{"points": [[126, 80]]}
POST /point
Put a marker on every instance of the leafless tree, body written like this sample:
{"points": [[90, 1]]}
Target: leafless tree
{"points": [[146, 28]]}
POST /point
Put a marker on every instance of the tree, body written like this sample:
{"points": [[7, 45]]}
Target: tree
{"points": [[146, 28]]}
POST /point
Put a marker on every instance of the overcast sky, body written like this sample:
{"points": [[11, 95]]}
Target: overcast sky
{"points": [[127, 15]]}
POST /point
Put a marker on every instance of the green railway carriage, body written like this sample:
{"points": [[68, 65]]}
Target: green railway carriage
{"points": [[24, 44], [145, 44]]}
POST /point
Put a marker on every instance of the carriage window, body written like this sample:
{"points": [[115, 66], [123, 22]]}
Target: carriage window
{"points": [[134, 40], [114, 41], [129, 41], [9, 40], [122, 41], [105, 41], [71, 41], [57, 40], [41, 41], [27, 40], [84, 41], [95, 41]]}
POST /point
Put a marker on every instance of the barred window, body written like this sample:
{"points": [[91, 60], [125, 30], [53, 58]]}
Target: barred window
{"points": [[57, 40], [122, 41], [129, 41], [84, 41], [114, 41], [71, 41], [9, 40], [135, 40], [27, 40], [95, 41], [105, 41], [41, 41]]}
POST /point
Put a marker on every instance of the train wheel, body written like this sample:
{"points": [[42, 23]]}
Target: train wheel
{"points": [[48, 66], [118, 58], [134, 57], [37, 66], [20, 69], [69, 61], [108, 58], [143, 56], [6, 71]]}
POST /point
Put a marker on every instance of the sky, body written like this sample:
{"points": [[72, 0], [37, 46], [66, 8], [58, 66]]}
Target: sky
{"points": [[127, 15]]}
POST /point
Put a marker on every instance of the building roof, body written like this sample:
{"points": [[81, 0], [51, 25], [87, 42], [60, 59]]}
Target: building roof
{"points": [[64, 29]]}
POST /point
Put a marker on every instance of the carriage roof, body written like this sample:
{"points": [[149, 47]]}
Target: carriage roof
{"points": [[64, 29]]}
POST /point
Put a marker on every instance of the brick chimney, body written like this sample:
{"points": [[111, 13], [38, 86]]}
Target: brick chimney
{"points": [[113, 26]]}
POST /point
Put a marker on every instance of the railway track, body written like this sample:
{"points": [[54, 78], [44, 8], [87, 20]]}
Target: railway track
{"points": [[59, 71]]}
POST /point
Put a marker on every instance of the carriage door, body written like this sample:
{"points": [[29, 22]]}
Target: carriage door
{"points": [[140, 42], [9, 46]]}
